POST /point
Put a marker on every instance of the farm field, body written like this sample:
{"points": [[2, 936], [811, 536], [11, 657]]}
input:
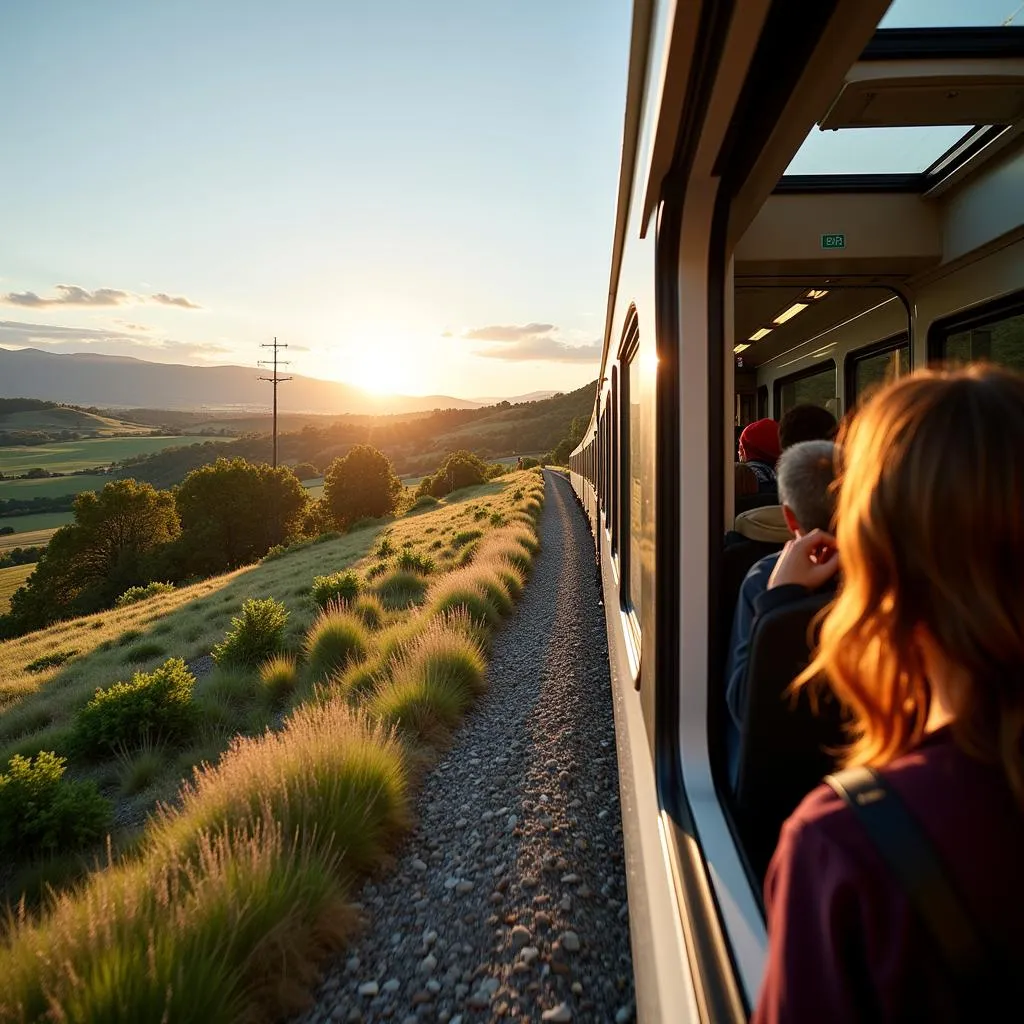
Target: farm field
{"points": [[10, 580], [70, 456], [64, 418], [32, 538], [51, 487]]}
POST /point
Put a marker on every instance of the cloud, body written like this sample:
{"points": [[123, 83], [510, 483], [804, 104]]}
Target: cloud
{"points": [[132, 327], [173, 300], [70, 295], [74, 295], [508, 332], [53, 338], [543, 349]]}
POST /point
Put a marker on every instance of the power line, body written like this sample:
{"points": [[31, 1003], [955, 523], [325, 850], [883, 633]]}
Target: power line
{"points": [[275, 380]]}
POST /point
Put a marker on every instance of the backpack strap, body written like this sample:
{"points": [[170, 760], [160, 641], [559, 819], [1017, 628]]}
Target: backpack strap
{"points": [[912, 858]]}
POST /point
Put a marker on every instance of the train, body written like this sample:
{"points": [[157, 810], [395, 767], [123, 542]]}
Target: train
{"points": [[813, 199]]}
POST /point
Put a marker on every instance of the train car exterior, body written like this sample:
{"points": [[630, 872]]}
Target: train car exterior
{"points": [[759, 262]]}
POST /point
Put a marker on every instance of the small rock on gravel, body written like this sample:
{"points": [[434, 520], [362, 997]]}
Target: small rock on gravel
{"points": [[559, 1014]]}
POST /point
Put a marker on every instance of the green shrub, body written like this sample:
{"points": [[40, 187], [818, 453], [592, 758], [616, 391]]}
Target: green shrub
{"points": [[255, 635], [410, 561], [335, 638], [339, 586], [419, 701], [497, 519], [377, 569], [401, 590], [51, 660], [424, 501], [464, 537], [152, 706], [143, 652], [279, 678], [517, 494], [478, 514], [41, 812], [276, 552], [135, 594], [385, 549]]}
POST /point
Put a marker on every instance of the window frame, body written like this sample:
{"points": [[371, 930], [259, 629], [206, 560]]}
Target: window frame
{"points": [[792, 378], [978, 315], [890, 344]]}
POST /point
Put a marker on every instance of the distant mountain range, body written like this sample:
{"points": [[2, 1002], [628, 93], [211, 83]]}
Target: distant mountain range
{"points": [[120, 381]]}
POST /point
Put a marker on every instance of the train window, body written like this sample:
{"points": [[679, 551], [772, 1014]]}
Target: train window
{"points": [[993, 333], [613, 481], [814, 386], [872, 367], [632, 413]]}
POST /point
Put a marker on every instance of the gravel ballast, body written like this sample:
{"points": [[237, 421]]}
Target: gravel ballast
{"points": [[509, 898]]}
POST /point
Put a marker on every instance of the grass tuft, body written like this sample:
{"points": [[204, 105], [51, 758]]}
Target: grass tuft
{"points": [[335, 638], [401, 590], [279, 677]]}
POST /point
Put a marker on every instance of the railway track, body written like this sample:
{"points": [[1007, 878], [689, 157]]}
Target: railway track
{"points": [[509, 900]]}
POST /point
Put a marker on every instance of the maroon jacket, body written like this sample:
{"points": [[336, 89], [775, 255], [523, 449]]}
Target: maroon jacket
{"points": [[844, 943]]}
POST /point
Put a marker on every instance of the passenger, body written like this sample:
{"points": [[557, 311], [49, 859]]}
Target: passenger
{"points": [[806, 472], [759, 451], [806, 423], [925, 647], [766, 524]]}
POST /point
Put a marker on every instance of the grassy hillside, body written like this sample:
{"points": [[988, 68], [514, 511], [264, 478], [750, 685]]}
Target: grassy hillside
{"points": [[44, 525], [238, 884], [58, 418], [10, 579]]}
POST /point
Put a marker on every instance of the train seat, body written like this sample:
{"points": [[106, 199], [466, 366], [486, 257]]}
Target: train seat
{"points": [[784, 744]]}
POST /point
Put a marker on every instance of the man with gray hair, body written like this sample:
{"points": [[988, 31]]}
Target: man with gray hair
{"points": [[805, 474]]}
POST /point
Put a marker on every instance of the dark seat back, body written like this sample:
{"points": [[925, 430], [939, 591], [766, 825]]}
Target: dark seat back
{"points": [[784, 745], [746, 502]]}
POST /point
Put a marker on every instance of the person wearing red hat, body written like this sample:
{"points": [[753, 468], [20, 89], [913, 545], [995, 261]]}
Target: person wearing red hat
{"points": [[759, 451]]}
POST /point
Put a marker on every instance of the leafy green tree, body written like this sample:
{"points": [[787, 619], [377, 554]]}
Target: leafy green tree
{"points": [[101, 554], [459, 469], [559, 455], [233, 512], [305, 471], [361, 484]]}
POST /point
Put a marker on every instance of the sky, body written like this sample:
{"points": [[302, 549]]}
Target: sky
{"points": [[415, 197]]}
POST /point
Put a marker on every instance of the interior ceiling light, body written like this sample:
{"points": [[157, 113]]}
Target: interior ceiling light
{"points": [[758, 335], [742, 347], [788, 314], [816, 293]]}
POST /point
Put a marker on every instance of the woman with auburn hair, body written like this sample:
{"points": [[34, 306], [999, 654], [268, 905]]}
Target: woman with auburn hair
{"points": [[924, 645]]}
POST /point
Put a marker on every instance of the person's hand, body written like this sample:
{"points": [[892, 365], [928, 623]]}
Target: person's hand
{"points": [[810, 561]]}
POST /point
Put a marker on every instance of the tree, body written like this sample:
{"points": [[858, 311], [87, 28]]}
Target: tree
{"points": [[559, 455], [305, 471], [233, 512], [459, 469], [361, 484], [103, 552]]}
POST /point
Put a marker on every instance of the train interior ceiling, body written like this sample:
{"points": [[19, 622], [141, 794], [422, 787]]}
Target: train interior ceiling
{"points": [[890, 219]]}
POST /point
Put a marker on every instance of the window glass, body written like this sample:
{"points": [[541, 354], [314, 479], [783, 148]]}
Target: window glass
{"points": [[818, 388], [952, 13], [633, 391], [999, 341], [894, 150], [872, 371], [613, 481]]}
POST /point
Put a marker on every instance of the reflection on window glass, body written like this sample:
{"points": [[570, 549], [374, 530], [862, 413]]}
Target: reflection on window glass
{"points": [[633, 376], [870, 372], [1001, 341], [814, 389]]}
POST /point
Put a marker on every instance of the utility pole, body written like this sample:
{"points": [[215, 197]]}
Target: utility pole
{"points": [[275, 380]]}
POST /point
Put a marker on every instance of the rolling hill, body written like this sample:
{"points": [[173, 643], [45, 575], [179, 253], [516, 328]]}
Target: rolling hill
{"points": [[120, 381]]}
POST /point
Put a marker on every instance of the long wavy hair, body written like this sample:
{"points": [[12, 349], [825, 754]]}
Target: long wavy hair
{"points": [[930, 531]]}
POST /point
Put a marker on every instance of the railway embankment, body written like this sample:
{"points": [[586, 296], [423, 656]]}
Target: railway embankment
{"points": [[509, 898]]}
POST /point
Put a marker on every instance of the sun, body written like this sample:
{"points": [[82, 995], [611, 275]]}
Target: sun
{"points": [[382, 368]]}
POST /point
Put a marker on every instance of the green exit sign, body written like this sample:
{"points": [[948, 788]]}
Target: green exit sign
{"points": [[833, 241]]}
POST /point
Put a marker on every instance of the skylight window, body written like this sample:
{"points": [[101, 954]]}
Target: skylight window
{"points": [[953, 14], [903, 150]]}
